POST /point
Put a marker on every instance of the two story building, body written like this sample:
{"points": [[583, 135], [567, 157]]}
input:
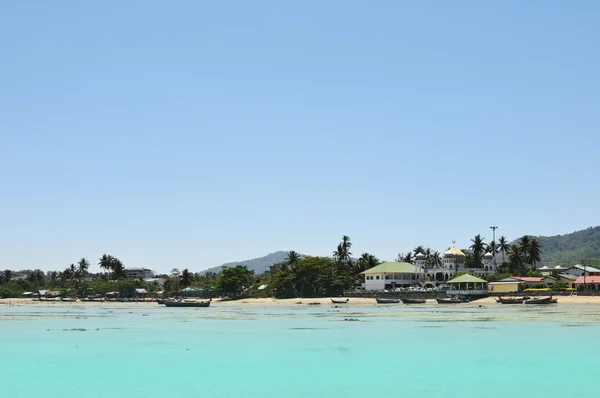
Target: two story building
{"points": [[138, 273], [391, 275]]}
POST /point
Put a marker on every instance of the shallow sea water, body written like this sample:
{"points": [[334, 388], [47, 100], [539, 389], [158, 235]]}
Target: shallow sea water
{"points": [[246, 352]]}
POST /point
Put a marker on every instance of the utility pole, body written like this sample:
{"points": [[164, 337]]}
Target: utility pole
{"points": [[493, 227]]}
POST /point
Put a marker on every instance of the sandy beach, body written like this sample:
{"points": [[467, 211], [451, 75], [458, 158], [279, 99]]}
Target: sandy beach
{"points": [[279, 303]]}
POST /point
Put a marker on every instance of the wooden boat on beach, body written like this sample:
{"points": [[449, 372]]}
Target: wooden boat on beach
{"points": [[334, 301], [449, 300], [413, 301], [68, 299], [186, 303], [542, 300], [387, 300], [511, 300]]}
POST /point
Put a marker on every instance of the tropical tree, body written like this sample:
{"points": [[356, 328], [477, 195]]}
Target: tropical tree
{"points": [[342, 254], [419, 249], [478, 250], [233, 280], [534, 255], [365, 262], [405, 258], [186, 278], [435, 260], [82, 267], [112, 264], [292, 259], [525, 242], [36, 279], [503, 246], [7, 276], [515, 259]]}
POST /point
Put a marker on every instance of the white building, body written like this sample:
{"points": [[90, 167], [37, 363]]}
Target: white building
{"points": [[453, 262], [138, 273], [391, 275]]}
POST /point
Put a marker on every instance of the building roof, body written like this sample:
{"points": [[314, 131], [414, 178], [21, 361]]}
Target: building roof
{"points": [[453, 251], [586, 268], [568, 276], [419, 254], [393, 267], [488, 255], [545, 267], [141, 291], [530, 279], [587, 280], [506, 281], [467, 278]]}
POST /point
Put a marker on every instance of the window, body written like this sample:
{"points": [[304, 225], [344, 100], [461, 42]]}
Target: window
{"points": [[377, 277]]}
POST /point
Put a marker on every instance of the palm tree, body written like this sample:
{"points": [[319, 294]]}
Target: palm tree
{"points": [[408, 258], [82, 267], [106, 262], [478, 248], [419, 249], [525, 242], [535, 252], [73, 271], [346, 246], [516, 259], [365, 262], [435, 260], [186, 278], [118, 269], [292, 259], [503, 246], [111, 263]]}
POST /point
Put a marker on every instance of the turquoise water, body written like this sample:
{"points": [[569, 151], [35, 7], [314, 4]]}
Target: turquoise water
{"points": [[305, 352]]}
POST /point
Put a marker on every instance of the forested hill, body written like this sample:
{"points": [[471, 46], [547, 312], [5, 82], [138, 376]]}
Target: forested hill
{"points": [[571, 248], [258, 265]]}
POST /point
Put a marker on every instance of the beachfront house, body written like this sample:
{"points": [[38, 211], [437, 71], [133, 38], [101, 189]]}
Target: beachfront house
{"points": [[588, 282], [569, 279], [467, 284], [533, 281], [580, 269], [506, 285], [391, 275]]}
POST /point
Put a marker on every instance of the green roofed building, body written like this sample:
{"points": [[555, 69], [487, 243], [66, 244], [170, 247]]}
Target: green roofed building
{"points": [[467, 284], [390, 275]]}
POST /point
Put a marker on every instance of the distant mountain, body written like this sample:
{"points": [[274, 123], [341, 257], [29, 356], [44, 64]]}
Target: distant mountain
{"points": [[571, 248], [258, 265]]}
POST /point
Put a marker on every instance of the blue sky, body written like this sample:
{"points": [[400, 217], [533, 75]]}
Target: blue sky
{"points": [[193, 133]]}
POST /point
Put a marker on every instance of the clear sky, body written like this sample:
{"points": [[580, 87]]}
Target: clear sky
{"points": [[193, 133]]}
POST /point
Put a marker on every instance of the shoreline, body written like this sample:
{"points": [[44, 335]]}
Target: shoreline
{"points": [[292, 302]]}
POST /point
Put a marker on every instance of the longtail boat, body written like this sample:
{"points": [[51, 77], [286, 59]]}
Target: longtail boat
{"points": [[413, 301], [340, 301], [387, 300], [184, 303], [542, 300], [511, 300], [449, 300]]}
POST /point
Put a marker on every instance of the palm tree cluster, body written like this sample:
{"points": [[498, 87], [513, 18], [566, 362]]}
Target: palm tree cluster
{"points": [[112, 265], [432, 258], [524, 255]]}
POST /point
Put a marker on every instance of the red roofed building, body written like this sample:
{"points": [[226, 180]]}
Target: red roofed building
{"points": [[590, 282], [533, 281]]}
